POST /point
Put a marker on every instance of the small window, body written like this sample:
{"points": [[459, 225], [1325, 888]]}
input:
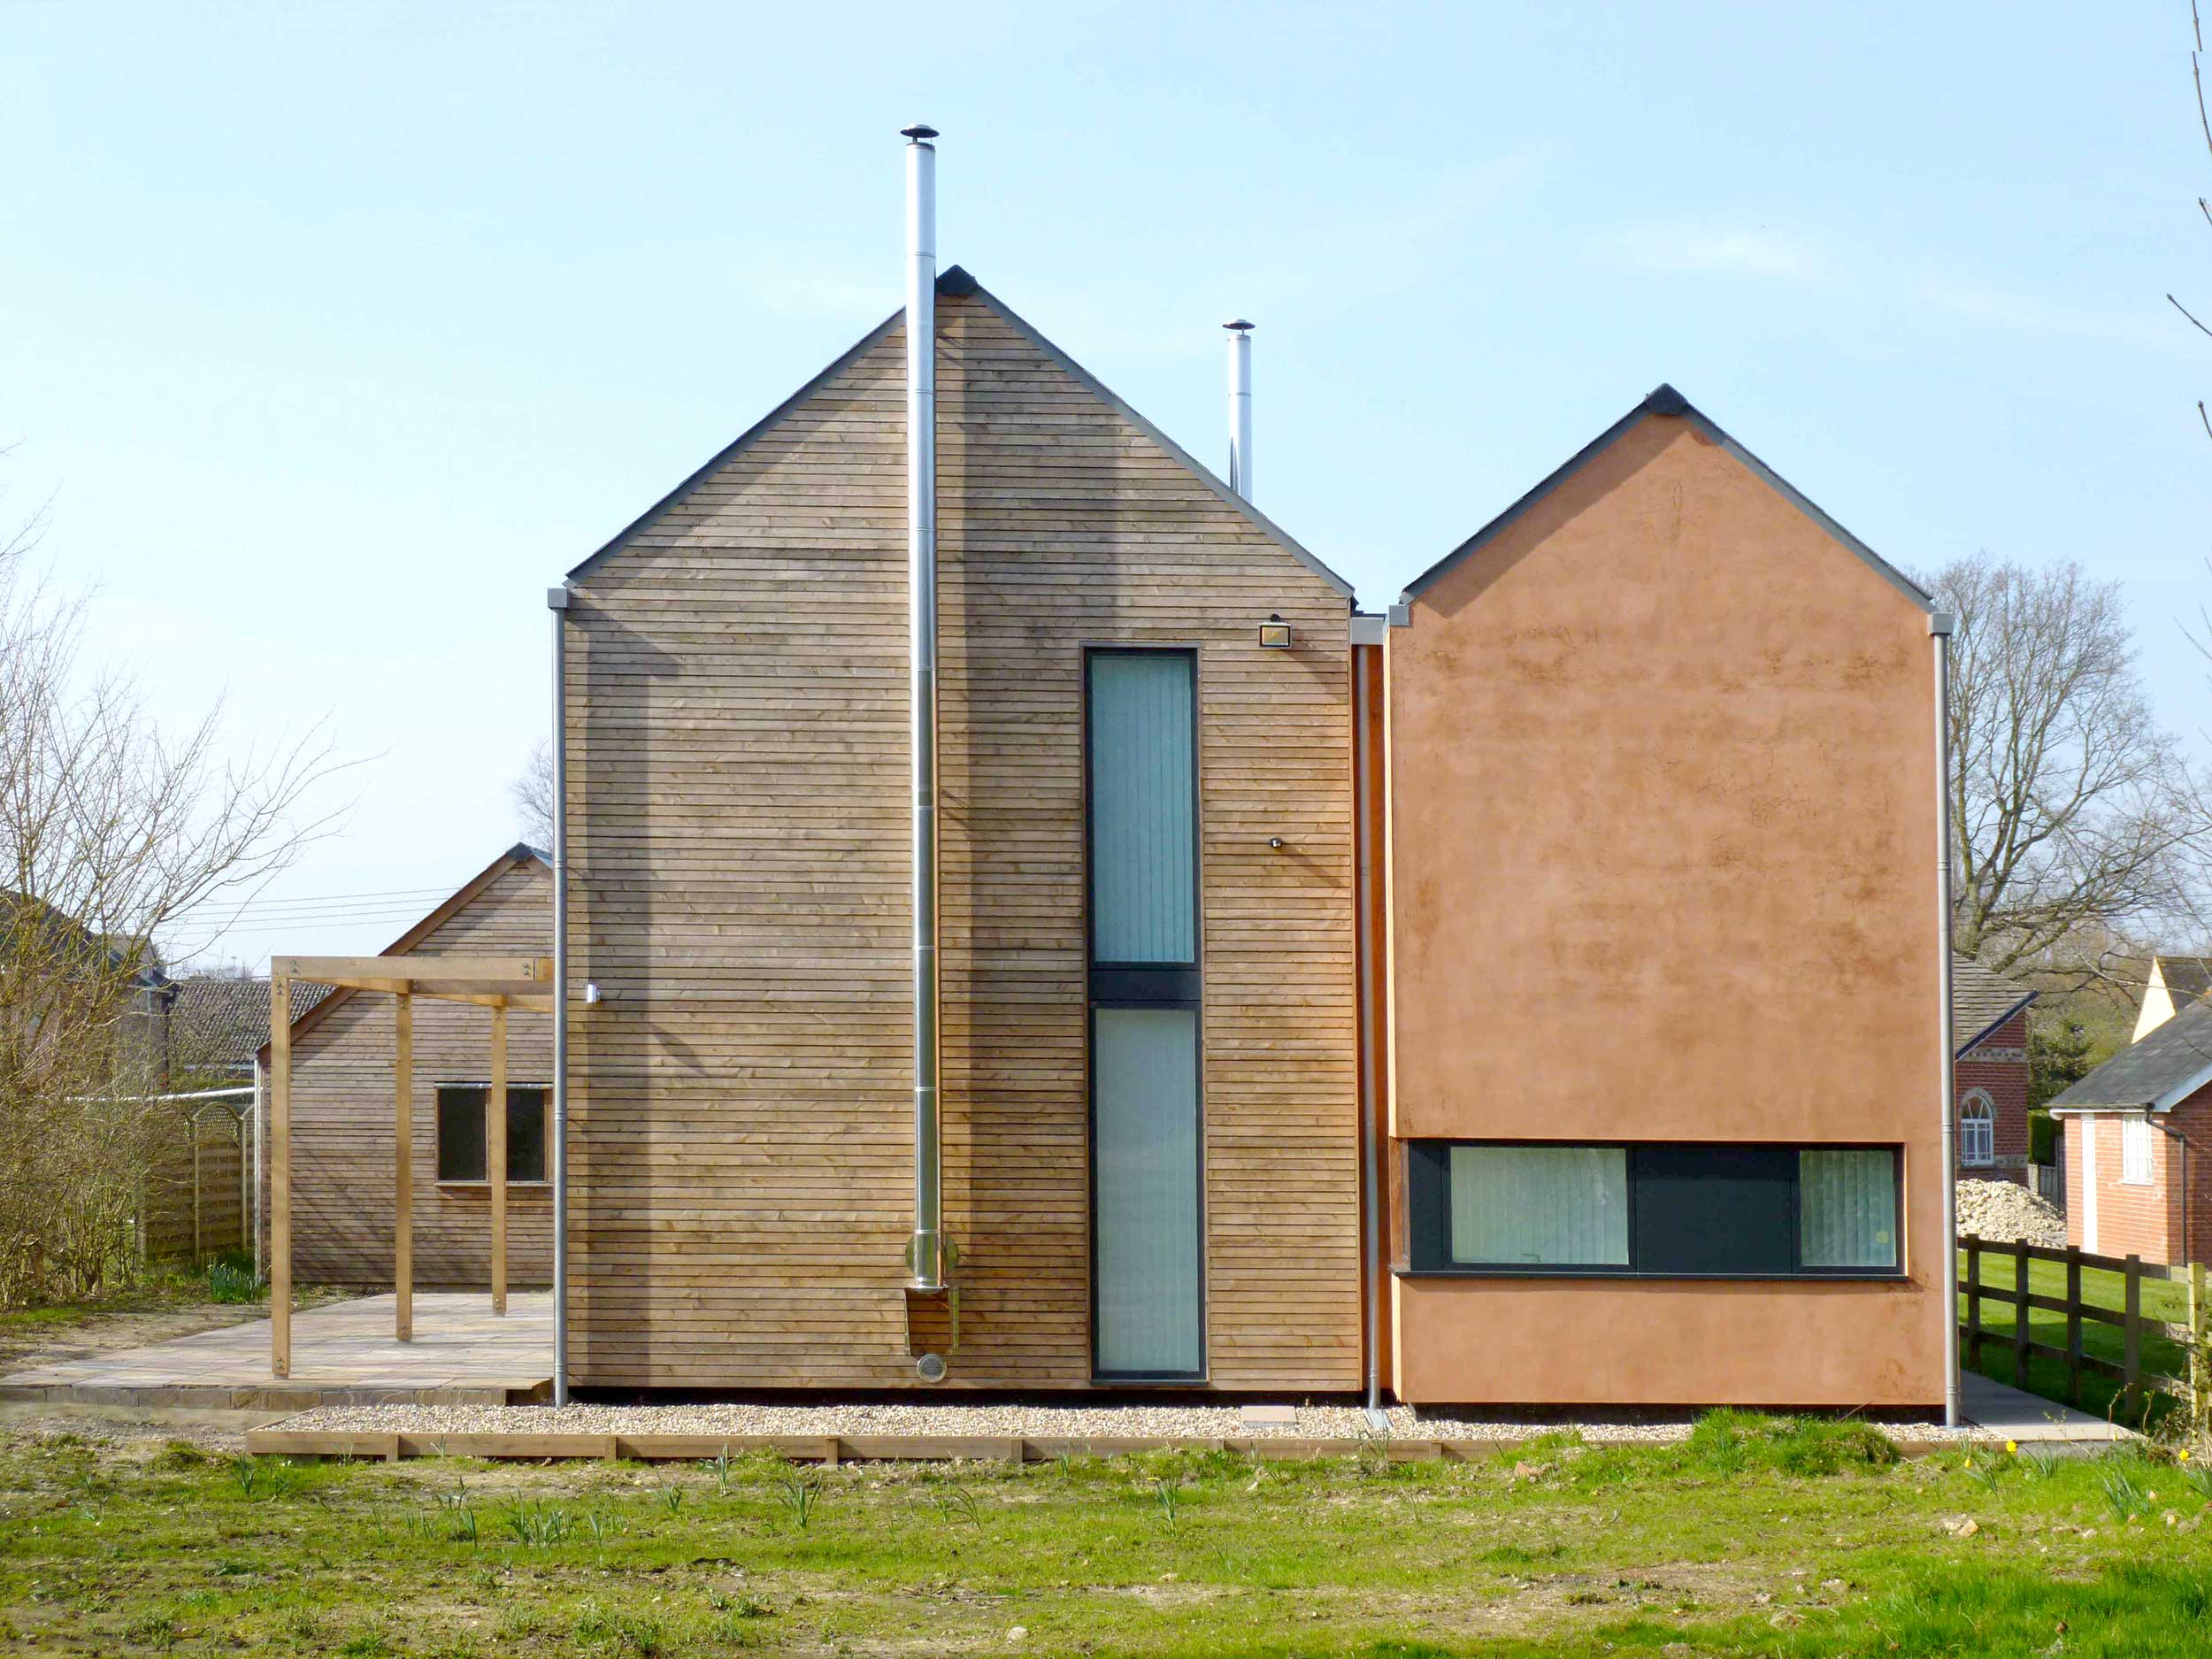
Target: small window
{"points": [[1676, 1211], [463, 1154], [1977, 1130], [2135, 1151]]}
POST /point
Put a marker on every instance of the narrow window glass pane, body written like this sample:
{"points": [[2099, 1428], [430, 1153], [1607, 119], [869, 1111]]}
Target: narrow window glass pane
{"points": [[1847, 1207], [1539, 1206], [460, 1135], [1145, 1159], [525, 1135], [1143, 808]]}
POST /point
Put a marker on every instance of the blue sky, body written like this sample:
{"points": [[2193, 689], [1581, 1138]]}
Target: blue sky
{"points": [[337, 333]]}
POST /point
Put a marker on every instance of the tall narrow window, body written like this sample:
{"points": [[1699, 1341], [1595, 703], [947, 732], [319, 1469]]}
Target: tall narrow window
{"points": [[2135, 1150], [1147, 1206], [1978, 1129]]}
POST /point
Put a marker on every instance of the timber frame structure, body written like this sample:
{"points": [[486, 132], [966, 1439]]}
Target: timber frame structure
{"points": [[496, 982]]}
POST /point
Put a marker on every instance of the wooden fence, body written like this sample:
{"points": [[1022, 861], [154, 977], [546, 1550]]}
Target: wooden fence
{"points": [[196, 1193], [2134, 1379]]}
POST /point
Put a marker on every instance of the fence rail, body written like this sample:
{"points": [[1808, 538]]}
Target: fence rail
{"points": [[2134, 1380]]}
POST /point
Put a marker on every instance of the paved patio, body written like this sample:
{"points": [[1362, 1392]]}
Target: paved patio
{"points": [[342, 1353], [2010, 1414]]}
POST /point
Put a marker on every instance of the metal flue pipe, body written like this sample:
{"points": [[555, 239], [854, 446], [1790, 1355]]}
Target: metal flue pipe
{"points": [[926, 1253], [1239, 333]]}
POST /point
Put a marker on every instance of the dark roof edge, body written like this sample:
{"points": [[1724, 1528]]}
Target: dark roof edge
{"points": [[1959, 1053], [738, 445], [1665, 400], [1105, 394], [521, 852], [955, 282]]}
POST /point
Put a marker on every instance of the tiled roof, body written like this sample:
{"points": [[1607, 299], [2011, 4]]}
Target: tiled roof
{"points": [[2187, 978], [2168, 1057], [1981, 1001], [218, 1023]]}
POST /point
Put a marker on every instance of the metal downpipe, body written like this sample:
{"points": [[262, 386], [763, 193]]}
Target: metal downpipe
{"points": [[556, 601], [1940, 627], [926, 1253]]}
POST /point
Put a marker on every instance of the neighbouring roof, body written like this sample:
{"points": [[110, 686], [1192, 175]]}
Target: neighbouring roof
{"points": [[312, 1003], [1664, 401], [1981, 1001], [955, 282], [2187, 979], [2167, 1066], [218, 1023]]}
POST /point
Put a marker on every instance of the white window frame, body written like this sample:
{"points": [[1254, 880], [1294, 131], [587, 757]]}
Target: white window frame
{"points": [[2136, 1156], [1977, 1130]]}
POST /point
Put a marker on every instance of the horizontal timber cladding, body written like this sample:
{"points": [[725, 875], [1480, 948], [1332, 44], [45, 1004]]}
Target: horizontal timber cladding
{"points": [[742, 1166], [341, 1110]]}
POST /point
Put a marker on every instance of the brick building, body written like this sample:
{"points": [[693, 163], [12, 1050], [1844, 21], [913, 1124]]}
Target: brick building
{"points": [[1989, 1036], [2139, 1130]]}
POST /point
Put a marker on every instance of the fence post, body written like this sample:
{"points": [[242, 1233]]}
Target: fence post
{"points": [[2073, 1324], [1973, 1302], [2132, 1364], [2199, 1383], [2020, 1315]]}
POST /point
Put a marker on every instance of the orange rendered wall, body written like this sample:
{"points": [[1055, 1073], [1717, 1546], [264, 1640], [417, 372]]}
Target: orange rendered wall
{"points": [[1662, 866]]}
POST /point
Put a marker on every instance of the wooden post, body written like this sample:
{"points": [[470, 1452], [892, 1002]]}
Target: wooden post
{"points": [[403, 1163], [2199, 1382], [192, 1142], [2020, 1315], [281, 1177], [1973, 1302], [2073, 1324], [245, 1184], [2131, 1362], [495, 1154]]}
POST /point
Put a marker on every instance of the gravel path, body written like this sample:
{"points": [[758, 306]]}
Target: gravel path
{"points": [[1031, 1421]]}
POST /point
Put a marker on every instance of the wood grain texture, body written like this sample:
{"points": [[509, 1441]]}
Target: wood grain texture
{"points": [[344, 1157], [742, 1164]]}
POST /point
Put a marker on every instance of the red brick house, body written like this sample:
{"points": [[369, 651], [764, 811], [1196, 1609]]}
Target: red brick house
{"points": [[1989, 1036], [2137, 1132]]}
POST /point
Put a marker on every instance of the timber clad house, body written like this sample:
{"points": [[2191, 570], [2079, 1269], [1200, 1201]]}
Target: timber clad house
{"points": [[1019, 927]]}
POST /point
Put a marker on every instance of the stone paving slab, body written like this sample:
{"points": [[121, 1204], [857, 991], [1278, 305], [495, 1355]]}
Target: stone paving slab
{"points": [[342, 1353], [2012, 1414]]}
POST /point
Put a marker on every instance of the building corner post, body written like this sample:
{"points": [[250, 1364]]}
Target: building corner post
{"points": [[1940, 626], [556, 603]]}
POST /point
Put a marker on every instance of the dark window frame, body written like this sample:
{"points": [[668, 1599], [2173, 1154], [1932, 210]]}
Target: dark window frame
{"points": [[1177, 985], [437, 1137], [1428, 1214]]}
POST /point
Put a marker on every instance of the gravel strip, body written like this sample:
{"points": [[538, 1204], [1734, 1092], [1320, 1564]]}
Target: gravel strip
{"points": [[1034, 1422]]}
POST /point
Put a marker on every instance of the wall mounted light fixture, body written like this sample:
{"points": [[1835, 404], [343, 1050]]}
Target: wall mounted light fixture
{"points": [[1275, 634]]}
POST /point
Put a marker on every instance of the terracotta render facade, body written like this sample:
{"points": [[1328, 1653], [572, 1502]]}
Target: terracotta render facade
{"points": [[1663, 840]]}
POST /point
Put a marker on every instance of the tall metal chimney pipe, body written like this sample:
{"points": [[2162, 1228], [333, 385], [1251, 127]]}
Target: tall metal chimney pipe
{"points": [[1240, 333], [926, 1253]]}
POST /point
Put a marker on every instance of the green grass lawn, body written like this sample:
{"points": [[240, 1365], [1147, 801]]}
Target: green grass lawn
{"points": [[1759, 1537], [2161, 1299]]}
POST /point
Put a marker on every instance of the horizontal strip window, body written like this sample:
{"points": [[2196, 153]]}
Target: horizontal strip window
{"points": [[1667, 1211]]}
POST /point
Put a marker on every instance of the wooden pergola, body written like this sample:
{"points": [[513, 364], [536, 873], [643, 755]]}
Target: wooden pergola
{"points": [[498, 983]]}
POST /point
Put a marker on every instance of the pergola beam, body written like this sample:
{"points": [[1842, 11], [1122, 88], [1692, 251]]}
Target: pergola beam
{"points": [[459, 979]]}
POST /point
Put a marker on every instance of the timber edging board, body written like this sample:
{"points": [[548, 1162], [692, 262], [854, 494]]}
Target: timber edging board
{"points": [[838, 1448]]}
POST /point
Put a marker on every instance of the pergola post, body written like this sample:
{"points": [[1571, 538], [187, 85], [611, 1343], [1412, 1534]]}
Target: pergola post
{"points": [[403, 1164], [496, 1153], [280, 1158]]}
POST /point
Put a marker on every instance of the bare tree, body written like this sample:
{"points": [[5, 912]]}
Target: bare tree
{"points": [[2078, 825], [113, 832], [533, 792]]}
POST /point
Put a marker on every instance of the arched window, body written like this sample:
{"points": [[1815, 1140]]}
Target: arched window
{"points": [[1978, 1129]]}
